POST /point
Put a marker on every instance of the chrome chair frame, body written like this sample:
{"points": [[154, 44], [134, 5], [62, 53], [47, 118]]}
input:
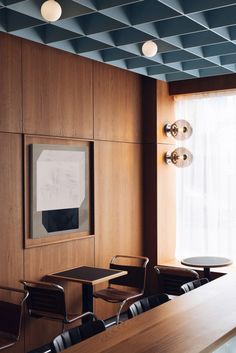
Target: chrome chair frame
{"points": [[14, 337], [119, 281], [61, 314]]}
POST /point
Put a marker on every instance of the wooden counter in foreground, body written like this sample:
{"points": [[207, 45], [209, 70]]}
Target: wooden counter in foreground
{"points": [[199, 321]]}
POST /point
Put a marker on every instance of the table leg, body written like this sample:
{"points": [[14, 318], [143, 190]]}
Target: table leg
{"points": [[87, 297], [207, 273]]}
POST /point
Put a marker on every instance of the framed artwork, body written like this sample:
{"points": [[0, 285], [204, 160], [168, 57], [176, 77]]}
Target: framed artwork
{"points": [[59, 186]]}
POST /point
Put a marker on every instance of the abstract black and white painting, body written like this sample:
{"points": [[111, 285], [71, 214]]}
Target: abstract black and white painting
{"points": [[59, 189]]}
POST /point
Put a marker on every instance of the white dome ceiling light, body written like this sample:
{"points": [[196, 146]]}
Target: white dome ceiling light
{"points": [[51, 10], [149, 49]]}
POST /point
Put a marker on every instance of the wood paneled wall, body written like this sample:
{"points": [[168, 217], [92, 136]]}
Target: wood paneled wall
{"points": [[51, 93], [166, 195], [118, 205], [10, 87], [119, 119], [57, 92], [11, 220], [11, 200], [44, 260]]}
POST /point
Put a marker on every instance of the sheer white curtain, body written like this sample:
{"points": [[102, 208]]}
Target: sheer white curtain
{"points": [[206, 190]]}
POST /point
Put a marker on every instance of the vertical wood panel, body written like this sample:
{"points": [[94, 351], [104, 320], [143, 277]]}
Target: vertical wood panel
{"points": [[11, 209], [10, 84], [149, 182], [165, 112], [166, 206], [166, 195], [117, 104], [118, 204], [48, 259], [11, 223], [149, 109], [149, 190], [57, 92]]}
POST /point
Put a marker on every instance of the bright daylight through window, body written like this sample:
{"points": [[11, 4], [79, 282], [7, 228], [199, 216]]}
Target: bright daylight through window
{"points": [[206, 190]]}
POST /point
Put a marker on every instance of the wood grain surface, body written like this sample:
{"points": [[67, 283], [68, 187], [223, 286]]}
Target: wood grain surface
{"points": [[57, 92], [192, 323], [10, 87], [11, 216], [59, 95], [166, 206], [165, 112], [117, 104], [41, 261], [166, 195], [118, 205]]}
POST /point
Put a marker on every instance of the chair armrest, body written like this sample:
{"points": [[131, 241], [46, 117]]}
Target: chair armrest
{"points": [[41, 284], [88, 313], [17, 290]]}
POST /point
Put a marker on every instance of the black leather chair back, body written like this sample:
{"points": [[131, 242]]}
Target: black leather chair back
{"points": [[135, 277], [10, 318], [187, 287], [170, 279], [76, 335], [45, 299], [11, 312], [145, 304]]}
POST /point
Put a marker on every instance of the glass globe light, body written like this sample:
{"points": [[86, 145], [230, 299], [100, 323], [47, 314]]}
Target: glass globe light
{"points": [[180, 129], [180, 157]]}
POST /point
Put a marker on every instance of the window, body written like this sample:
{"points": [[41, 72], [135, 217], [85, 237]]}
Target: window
{"points": [[206, 191]]}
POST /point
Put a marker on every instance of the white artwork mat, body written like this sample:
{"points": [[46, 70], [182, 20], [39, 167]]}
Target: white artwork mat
{"points": [[60, 180]]}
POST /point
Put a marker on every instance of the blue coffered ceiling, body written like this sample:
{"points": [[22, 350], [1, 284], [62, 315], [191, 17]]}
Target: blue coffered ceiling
{"points": [[196, 38]]}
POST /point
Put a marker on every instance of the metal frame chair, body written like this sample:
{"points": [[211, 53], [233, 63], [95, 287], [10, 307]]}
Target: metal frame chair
{"points": [[135, 279], [170, 279], [187, 287], [47, 300], [11, 317], [77, 334]]}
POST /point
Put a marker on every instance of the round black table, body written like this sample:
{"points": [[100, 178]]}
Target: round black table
{"points": [[206, 262]]}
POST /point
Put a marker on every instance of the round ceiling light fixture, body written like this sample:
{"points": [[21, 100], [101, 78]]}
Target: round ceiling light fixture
{"points": [[51, 10], [149, 49]]}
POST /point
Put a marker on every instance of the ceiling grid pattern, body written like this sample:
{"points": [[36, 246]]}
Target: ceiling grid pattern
{"points": [[195, 38]]}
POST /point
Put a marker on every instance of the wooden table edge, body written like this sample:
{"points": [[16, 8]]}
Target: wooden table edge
{"points": [[119, 273]]}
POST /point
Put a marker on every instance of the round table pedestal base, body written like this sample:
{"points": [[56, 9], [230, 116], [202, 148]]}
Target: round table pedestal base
{"points": [[207, 273]]}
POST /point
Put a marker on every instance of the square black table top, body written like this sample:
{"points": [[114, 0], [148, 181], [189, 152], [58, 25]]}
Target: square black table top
{"points": [[88, 275]]}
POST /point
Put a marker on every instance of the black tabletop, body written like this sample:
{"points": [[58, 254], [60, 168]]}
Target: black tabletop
{"points": [[88, 274]]}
